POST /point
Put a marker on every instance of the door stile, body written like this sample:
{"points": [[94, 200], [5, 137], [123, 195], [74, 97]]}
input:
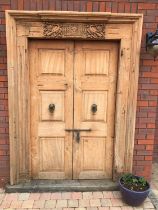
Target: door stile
{"points": [[73, 134]]}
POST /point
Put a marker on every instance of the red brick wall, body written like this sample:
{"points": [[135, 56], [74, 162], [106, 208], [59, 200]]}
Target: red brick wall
{"points": [[148, 79], [155, 153]]}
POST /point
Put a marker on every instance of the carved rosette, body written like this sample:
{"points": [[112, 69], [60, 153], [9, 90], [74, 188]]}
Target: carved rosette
{"points": [[74, 30]]}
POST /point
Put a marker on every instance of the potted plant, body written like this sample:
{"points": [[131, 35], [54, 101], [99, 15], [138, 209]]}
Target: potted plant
{"points": [[134, 189]]}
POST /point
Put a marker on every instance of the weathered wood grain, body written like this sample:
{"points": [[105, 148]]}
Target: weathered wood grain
{"points": [[126, 28]]}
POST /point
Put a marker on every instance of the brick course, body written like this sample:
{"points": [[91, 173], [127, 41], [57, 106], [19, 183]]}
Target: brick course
{"points": [[146, 135]]}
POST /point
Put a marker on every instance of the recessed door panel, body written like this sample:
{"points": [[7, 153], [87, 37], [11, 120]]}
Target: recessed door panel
{"points": [[55, 148], [94, 102], [51, 61], [96, 62], [52, 105]]}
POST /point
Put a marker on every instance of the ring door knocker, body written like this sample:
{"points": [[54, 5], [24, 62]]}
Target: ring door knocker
{"points": [[51, 108], [94, 108]]}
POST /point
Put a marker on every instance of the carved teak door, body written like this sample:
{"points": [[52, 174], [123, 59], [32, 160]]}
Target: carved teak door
{"points": [[72, 90]]}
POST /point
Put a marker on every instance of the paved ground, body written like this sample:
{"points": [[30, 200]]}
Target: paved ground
{"points": [[154, 185], [68, 201], [154, 181], [77, 200]]}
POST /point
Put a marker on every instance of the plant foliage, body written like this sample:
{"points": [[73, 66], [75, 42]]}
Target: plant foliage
{"points": [[134, 183]]}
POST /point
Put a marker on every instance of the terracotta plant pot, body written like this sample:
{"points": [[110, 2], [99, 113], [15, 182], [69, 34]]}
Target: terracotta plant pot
{"points": [[133, 198]]}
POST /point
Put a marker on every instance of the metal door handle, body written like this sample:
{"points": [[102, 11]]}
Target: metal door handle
{"points": [[78, 137], [77, 131]]}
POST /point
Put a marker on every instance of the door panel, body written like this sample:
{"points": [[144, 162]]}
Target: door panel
{"points": [[94, 97], [51, 152], [52, 61], [95, 70], [51, 76], [58, 99], [96, 62]]}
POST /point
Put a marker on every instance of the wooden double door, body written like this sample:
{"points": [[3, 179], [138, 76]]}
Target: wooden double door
{"points": [[72, 86]]}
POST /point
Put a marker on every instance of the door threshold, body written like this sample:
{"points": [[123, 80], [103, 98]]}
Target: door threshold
{"points": [[63, 186]]}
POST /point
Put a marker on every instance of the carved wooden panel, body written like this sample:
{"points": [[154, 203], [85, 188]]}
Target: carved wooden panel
{"points": [[74, 30]]}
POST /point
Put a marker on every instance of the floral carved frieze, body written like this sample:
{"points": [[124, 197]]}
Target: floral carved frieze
{"points": [[74, 30]]}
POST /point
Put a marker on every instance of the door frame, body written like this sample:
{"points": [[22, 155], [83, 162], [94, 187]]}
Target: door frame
{"points": [[22, 25]]}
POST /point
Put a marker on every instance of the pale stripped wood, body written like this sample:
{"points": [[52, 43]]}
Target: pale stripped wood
{"points": [[99, 128], [97, 62], [94, 97], [122, 95], [52, 175], [44, 124], [131, 105], [52, 97], [51, 61], [121, 31], [24, 108], [90, 146], [104, 98], [118, 26], [12, 91], [51, 154], [51, 129]]}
